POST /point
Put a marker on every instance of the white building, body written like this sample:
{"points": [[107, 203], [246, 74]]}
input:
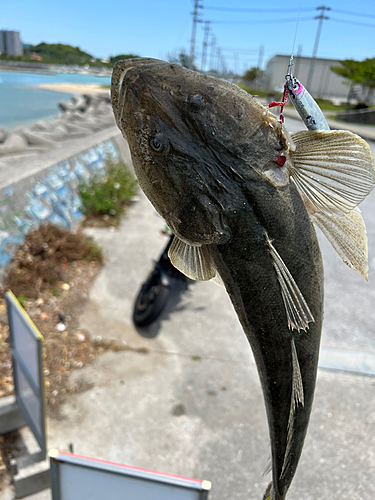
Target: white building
{"points": [[10, 43], [324, 82]]}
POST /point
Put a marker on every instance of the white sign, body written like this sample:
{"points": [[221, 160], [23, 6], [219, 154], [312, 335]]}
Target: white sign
{"points": [[80, 478]]}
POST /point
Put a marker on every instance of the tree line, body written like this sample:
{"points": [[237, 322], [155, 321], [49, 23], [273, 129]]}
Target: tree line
{"points": [[358, 72], [59, 53]]}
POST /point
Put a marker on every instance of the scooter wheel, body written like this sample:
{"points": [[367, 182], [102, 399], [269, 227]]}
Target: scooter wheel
{"points": [[150, 301]]}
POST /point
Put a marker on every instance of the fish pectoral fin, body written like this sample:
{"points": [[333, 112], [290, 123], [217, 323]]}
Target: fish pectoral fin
{"points": [[297, 311], [193, 261], [333, 169], [347, 235]]}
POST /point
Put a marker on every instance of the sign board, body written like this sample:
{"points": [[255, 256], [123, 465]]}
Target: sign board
{"points": [[26, 345], [74, 477]]}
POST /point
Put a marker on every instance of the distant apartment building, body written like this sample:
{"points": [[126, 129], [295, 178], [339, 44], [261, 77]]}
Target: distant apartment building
{"points": [[10, 43], [324, 82]]}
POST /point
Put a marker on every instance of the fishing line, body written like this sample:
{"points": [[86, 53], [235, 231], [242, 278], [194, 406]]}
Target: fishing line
{"points": [[288, 75], [295, 33]]}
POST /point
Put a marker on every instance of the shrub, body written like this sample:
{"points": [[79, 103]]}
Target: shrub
{"points": [[41, 260], [108, 194]]}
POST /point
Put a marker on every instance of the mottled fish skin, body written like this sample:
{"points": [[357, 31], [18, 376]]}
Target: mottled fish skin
{"points": [[216, 180]]}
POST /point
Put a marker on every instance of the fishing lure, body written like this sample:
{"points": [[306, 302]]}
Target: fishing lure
{"points": [[305, 105]]}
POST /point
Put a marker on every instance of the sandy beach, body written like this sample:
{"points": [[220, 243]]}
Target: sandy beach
{"points": [[74, 88]]}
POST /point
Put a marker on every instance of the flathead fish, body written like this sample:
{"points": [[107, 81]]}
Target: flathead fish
{"points": [[228, 179]]}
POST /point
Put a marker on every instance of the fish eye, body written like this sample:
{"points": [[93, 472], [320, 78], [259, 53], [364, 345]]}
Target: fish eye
{"points": [[158, 143], [196, 102]]}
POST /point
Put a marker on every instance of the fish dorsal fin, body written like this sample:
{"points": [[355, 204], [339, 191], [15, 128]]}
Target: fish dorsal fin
{"points": [[193, 261], [297, 311], [333, 169], [347, 235]]}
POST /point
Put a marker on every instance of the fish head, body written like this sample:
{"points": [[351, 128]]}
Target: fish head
{"points": [[190, 135]]}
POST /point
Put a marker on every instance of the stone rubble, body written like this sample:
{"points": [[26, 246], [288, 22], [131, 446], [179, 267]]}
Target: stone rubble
{"points": [[80, 117]]}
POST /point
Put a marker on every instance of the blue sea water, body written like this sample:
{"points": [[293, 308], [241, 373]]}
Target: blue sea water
{"points": [[22, 102]]}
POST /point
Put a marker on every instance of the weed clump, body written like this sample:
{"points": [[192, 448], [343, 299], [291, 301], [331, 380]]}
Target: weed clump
{"points": [[41, 260], [107, 195]]}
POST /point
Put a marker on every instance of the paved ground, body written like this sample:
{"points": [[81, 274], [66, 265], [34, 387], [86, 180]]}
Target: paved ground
{"points": [[192, 404]]}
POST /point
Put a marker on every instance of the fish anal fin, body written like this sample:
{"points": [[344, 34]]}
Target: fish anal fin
{"points": [[193, 261], [297, 311], [268, 494], [333, 169], [297, 399]]}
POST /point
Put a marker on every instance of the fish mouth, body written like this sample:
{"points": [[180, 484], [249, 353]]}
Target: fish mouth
{"points": [[118, 89]]}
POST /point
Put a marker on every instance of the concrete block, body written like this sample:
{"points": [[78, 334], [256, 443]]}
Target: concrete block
{"points": [[10, 415], [30, 473], [32, 479]]}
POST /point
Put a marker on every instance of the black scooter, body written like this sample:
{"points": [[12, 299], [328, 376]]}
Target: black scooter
{"points": [[156, 290]]}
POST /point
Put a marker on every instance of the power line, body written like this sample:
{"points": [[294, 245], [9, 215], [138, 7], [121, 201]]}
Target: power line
{"points": [[239, 50], [233, 9], [266, 21], [353, 13], [230, 9], [351, 22]]}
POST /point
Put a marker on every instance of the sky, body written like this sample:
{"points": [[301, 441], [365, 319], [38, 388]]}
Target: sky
{"points": [[161, 28]]}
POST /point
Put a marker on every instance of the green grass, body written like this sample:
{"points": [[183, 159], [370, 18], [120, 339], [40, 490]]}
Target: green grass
{"points": [[22, 300], [108, 194], [95, 253], [326, 105], [257, 92]]}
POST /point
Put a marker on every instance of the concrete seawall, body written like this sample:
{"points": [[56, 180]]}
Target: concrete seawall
{"points": [[43, 187]]}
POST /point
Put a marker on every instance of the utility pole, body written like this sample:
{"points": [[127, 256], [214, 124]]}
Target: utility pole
{"points": [[192, 39], [259, 78], [217, 59], [321, 17], [260, 58], [205, 40], [299, 55], [212, 53], [236, 71]]}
